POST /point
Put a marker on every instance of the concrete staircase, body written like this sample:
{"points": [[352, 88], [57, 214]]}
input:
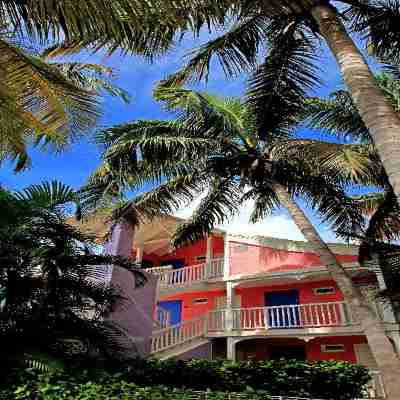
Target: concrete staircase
{"points": [[181, 349], [176, 340]]}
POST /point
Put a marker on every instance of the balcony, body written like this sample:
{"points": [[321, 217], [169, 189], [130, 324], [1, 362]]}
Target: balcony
{"points": [[315, 315], [255, 321], [187, 276]]}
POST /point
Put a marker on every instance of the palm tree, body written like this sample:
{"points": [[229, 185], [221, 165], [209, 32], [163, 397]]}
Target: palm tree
{"points": [[255, 23], [234, 154], [338, 116], [151, 28], [51, 282], [46, 104]]}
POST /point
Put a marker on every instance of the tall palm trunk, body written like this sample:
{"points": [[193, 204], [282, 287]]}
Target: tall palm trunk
{"points": [[376, 111], [381, 347]]}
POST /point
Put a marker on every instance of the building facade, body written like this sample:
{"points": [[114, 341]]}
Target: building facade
{"points": [[243, 297]]}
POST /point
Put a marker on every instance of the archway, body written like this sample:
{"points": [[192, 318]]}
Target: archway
{"points": [[270, 349]]}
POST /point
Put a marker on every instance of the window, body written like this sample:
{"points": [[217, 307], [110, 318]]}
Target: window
{"points": [[202, 300], [332, 348], [201, 259], [324, 290]]}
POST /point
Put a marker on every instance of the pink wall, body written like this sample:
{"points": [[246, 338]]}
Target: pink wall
{"points": [[134, 314], [190, 310], [246, 259], [254, 297]]}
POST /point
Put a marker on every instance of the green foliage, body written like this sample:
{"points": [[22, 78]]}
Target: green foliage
{"points": [[173, 380], [213, 150], [54, 298]]}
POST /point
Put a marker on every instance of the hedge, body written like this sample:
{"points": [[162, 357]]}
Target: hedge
{"points": [[173, 380], [321, 379]]}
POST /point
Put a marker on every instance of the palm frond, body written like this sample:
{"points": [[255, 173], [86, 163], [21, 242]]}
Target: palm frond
{"points": [[46, 94], [166, 198], [207, 115], [265, 201], [348, 164], [384, 224], [92, 77], [322, 194], [377, 21], [236, 51], [221, 201], [369, 203], [47, 195], [338, 116], [277, 90]]}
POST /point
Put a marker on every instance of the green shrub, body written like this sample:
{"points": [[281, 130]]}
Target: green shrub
{"points": [[173, 380], [321, 379]]}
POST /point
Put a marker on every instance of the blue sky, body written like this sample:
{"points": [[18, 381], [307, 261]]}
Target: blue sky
{"points": [[138, 77]]}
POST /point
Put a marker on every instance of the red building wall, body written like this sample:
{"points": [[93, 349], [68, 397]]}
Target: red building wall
{"points": [[313, 348], [254, 297], [192, 310], [247, 259]]}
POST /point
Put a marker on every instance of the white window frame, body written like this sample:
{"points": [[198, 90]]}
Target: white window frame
{"points": [[332, 290], [325, 348], [200, 300]]}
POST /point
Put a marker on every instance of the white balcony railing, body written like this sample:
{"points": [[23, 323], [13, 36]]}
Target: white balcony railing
{"points": [[290, 316], [188, 275], [178, 334], [256, 318], [159, 270], [163, 317]]}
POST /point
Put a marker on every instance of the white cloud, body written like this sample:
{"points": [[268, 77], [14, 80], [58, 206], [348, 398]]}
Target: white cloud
{"points": [[279, 225]]}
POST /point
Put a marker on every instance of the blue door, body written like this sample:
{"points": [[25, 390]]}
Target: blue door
{"points": [[279, 316], [174, 307], [176, 264]]}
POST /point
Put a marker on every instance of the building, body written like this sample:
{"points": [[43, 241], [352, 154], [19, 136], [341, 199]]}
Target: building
{"points": [[250, 297]]}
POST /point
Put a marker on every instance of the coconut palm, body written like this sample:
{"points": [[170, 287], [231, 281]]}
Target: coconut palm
{"points": [[250, 25], [153, 27], [51, 282], [338, 116], [46, 103], [236, 153]]}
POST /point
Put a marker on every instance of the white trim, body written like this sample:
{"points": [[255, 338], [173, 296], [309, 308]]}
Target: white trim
{"points": [[291, 245], [327, 290], [200, 300], [299, 274], [226, 257], [341, 348]]}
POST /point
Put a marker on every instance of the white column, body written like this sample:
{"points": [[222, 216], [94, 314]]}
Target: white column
{"points": [[226, 257], [209, 250], [231, 349], [395, 336], [230, 293], [139, 253], [208, 266]]}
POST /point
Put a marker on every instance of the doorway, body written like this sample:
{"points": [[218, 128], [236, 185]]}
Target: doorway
{"points": [[176, 264], [278, 316], [174, 307], [287, 352]]}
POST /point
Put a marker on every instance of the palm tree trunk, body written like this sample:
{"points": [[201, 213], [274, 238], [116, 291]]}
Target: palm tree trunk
{"points": [[381, 347], [376, 111]]}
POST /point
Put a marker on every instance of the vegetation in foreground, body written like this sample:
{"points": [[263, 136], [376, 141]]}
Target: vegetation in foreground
{"points": [[53, 295], [173, 380]]}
